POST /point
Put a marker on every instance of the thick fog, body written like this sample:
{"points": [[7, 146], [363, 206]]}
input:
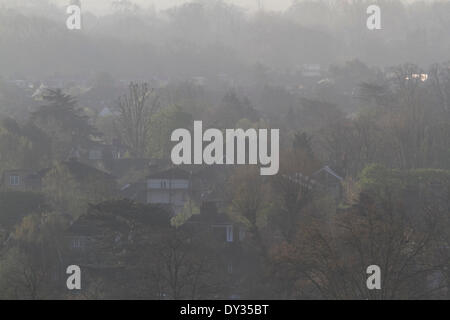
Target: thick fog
{"points": [[214, 37], [208, 149]]}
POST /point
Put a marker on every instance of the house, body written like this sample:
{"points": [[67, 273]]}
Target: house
{"points": [[224, 229], [120, 167], [96, 151], [311, 70], [98, 239], [112, 158], [19, 179], [171, 187], [15, 179], [89, 178], [324, 179], [136, 191], [229, 236], [329, 181]]}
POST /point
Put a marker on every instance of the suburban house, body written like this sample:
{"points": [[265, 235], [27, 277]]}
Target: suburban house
{"points": [[311, 70], [329, 181], [228, 236], [96, 151], [136, 191], [226, 230], [111, 223], [88, 177], [15, 179], [170, 187], [324, 179], [173, 187], [20, 180]]}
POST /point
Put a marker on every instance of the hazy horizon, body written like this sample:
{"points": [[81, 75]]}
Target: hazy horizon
{"points": [[101, 7]]}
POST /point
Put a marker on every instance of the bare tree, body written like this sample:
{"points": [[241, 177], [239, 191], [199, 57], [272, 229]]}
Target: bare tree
{"points": [[185, 266], [135, 112], [330, 260]]}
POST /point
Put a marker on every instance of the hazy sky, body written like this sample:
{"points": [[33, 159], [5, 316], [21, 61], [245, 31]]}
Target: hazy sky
{"points": [[98, 6], [104, 6]]}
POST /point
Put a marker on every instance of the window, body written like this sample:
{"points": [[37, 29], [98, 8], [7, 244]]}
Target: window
{"points": [[14, 180], [179, 184], [77, 243], [229, 233], [95, 155], [219, 232], [163, 184], [230, 267], [241, 234]]}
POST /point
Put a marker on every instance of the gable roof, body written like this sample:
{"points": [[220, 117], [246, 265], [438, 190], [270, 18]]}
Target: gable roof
{"points": [[79, 170], [134, 191], [328, 170], [171, 173], [120, 167]]}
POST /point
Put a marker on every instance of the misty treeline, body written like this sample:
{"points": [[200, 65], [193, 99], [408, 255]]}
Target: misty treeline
{"points": [[206, 38], [384, 132]]}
